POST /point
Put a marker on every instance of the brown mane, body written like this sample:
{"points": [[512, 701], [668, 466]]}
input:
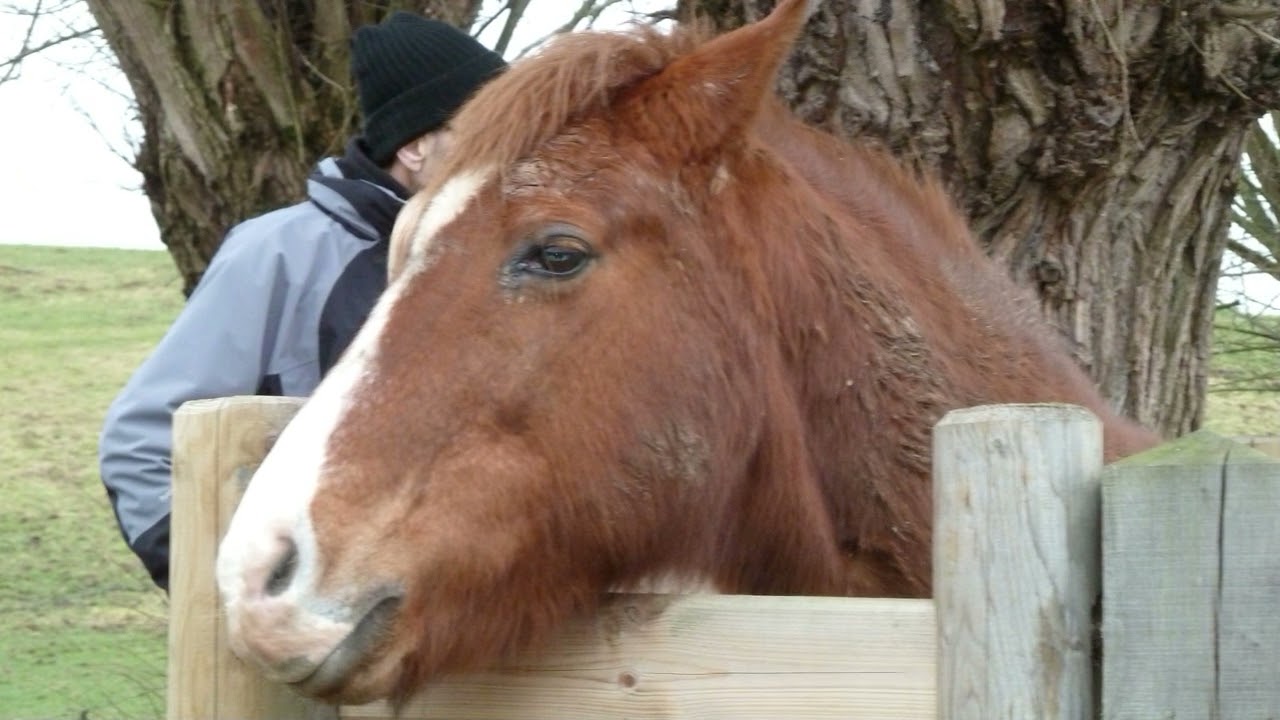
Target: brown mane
{"points": [[573, 75]]}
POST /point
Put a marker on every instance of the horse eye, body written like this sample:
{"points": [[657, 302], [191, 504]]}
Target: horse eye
{"points": [[562, 260], [553, 259]]}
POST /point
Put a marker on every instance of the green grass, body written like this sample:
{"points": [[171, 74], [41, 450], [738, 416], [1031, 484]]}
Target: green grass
{"points": [[1244, 382], [82, 631]]}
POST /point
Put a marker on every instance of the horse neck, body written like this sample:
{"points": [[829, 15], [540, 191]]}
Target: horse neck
{"points": [[857, 253], [951, 281], [846, 245]]}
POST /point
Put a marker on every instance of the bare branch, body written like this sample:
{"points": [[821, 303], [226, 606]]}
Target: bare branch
{"points": [[1238, 12], [1257, 31], [587, 14], [41, 12], [11, 66], [589, 10], [28, 50], [1263, 261], [484, 24], [1222, 78], [515, 12], [1272, 337]]}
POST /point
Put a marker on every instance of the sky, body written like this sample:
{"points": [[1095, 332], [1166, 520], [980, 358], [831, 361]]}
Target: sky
{"points": [[66, 136], [61, 135]]}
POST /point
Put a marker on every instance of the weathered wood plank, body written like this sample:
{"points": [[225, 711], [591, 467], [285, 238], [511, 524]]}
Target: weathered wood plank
{"points": [[1015, 560], [1160, 534], [217, 443], [710, 656], [1249, 617]]}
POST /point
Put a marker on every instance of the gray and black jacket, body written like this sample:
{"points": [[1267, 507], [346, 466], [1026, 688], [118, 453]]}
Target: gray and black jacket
{"points": [[281, 299]]}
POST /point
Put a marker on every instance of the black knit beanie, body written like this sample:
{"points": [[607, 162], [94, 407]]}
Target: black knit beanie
{"points": [[412, 74]]}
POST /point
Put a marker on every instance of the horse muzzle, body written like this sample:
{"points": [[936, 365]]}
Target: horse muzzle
{"points": [[313, 645]]}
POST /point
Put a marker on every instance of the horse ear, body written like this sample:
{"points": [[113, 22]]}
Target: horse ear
{"points": [[711, 94]]}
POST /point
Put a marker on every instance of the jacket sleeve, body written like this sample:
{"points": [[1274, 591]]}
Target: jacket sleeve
{"points": [[218, 346]]}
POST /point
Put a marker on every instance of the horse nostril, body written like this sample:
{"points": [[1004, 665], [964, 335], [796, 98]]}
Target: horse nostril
{"points": [[284, 570]]}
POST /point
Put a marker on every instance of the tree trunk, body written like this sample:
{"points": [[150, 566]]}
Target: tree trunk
{"points": [[238, 99], [1094, 146]]}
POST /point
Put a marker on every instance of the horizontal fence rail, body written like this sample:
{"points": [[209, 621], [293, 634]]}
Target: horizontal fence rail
{"points": [[698, 656], [1024, 511]]}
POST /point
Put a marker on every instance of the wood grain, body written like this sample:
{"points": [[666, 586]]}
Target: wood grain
{"points": [[1015, 560], [217, 445]]}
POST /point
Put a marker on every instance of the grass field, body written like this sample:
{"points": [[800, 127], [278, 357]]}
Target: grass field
{"points": [[82, 630]]}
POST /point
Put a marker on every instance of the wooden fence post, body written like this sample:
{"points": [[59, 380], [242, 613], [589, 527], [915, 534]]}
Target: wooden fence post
{"points": [[1015, 561], [1191, 558], [217, 445]]}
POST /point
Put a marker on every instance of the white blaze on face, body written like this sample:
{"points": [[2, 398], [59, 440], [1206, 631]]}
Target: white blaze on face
{"points": [[272, 512], [274, 509], [446, 205]]}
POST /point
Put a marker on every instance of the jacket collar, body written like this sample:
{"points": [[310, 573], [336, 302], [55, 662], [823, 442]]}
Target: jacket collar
{"points": [[357, 193]]}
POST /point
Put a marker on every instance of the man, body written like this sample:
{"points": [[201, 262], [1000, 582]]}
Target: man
{"points": [[286, 291]]}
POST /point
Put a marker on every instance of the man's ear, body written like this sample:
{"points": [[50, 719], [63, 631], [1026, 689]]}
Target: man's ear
{"points": [[708, 97], [421, 156], [413, 155]]}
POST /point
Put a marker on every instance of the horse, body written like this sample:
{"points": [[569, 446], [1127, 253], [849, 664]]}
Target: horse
{"points": [[644, 329]]}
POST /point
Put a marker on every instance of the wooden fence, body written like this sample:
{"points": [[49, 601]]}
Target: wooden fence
{"points": [[1183, 542]]}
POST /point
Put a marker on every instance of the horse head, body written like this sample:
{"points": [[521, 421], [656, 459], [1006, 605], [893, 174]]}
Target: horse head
{"points": [[643, 327]]}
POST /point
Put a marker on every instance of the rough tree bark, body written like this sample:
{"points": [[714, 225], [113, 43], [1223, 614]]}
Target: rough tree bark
{"points": [[238, 99], [1093, 143]]}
